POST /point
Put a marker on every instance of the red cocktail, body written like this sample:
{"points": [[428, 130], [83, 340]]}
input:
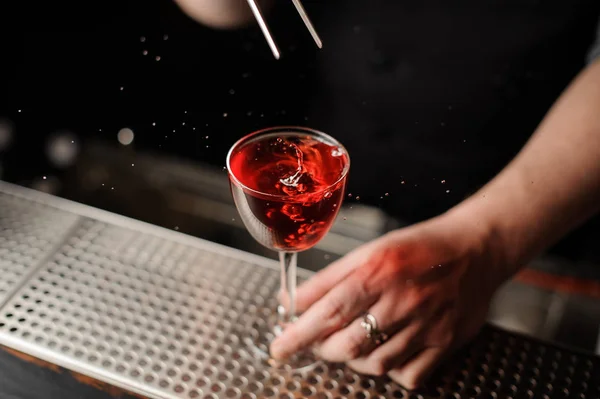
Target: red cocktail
{"points": [[288, 185]]}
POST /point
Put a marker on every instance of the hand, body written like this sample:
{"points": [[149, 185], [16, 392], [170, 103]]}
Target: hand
{"points": [[429, 287], [221, 14]]}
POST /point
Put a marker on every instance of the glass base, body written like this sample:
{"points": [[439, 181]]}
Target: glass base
{"points": [[263, 333]]}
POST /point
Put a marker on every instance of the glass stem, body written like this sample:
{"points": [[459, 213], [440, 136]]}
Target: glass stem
{"points": [[289, 262]]}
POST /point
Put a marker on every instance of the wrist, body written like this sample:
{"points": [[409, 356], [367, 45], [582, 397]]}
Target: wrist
{"points": [[489, 240]]}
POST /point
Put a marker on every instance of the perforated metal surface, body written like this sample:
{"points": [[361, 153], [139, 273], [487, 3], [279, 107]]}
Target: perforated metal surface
{"points": [[162, 314], [29, 232]]}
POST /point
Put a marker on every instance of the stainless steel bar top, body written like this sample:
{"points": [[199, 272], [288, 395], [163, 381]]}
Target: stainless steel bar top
{"points": [[160, 313]]}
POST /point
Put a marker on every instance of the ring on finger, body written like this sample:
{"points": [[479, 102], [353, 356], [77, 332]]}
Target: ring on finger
{"points": [[369, 324]]}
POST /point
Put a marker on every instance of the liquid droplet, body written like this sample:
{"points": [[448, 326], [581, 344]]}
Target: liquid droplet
{"points": [[443, 181], [145, 52], [358, 198], [232, 92], [327, 256], [176, 228], [387, 194], [350, 195], [345, 218], [206, 137], [157, 58], [328, 194], [44, 177], [402, 182], [143, 39], [447, 191], [336, 152], [166, 37], [153, 123], [224, 114]]}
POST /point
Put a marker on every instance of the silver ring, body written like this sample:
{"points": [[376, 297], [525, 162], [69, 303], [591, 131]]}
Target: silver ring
{"points": [[369, 323]]}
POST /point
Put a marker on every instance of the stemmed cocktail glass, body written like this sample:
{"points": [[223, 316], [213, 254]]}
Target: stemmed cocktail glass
{"points": [[288, 185]]}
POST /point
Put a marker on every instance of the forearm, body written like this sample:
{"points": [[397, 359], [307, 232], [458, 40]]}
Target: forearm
{"points": [[222, 14], [552, 185]]}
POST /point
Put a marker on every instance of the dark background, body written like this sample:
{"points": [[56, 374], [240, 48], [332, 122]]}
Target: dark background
{"points": [[81, 69]]}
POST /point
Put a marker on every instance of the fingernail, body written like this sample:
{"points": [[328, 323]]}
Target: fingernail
{"points": [[277, 351]]}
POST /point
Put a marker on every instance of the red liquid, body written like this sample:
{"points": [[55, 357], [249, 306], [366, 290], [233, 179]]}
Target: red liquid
{"points": [[294, 187]]}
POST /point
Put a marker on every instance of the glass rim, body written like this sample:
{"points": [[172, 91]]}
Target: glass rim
{"points": [[292, 129]]}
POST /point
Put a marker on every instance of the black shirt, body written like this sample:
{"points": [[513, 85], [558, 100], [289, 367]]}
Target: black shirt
{"points": [[434, 98]]}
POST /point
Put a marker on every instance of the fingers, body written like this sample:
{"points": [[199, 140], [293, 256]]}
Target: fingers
{"points": [[415, 372], [323, 281], [346, 344], [352, 342], [345, 302], [393, 353]]}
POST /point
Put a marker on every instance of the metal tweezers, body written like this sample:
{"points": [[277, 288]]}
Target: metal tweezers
{"points": [[265, 29]]}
